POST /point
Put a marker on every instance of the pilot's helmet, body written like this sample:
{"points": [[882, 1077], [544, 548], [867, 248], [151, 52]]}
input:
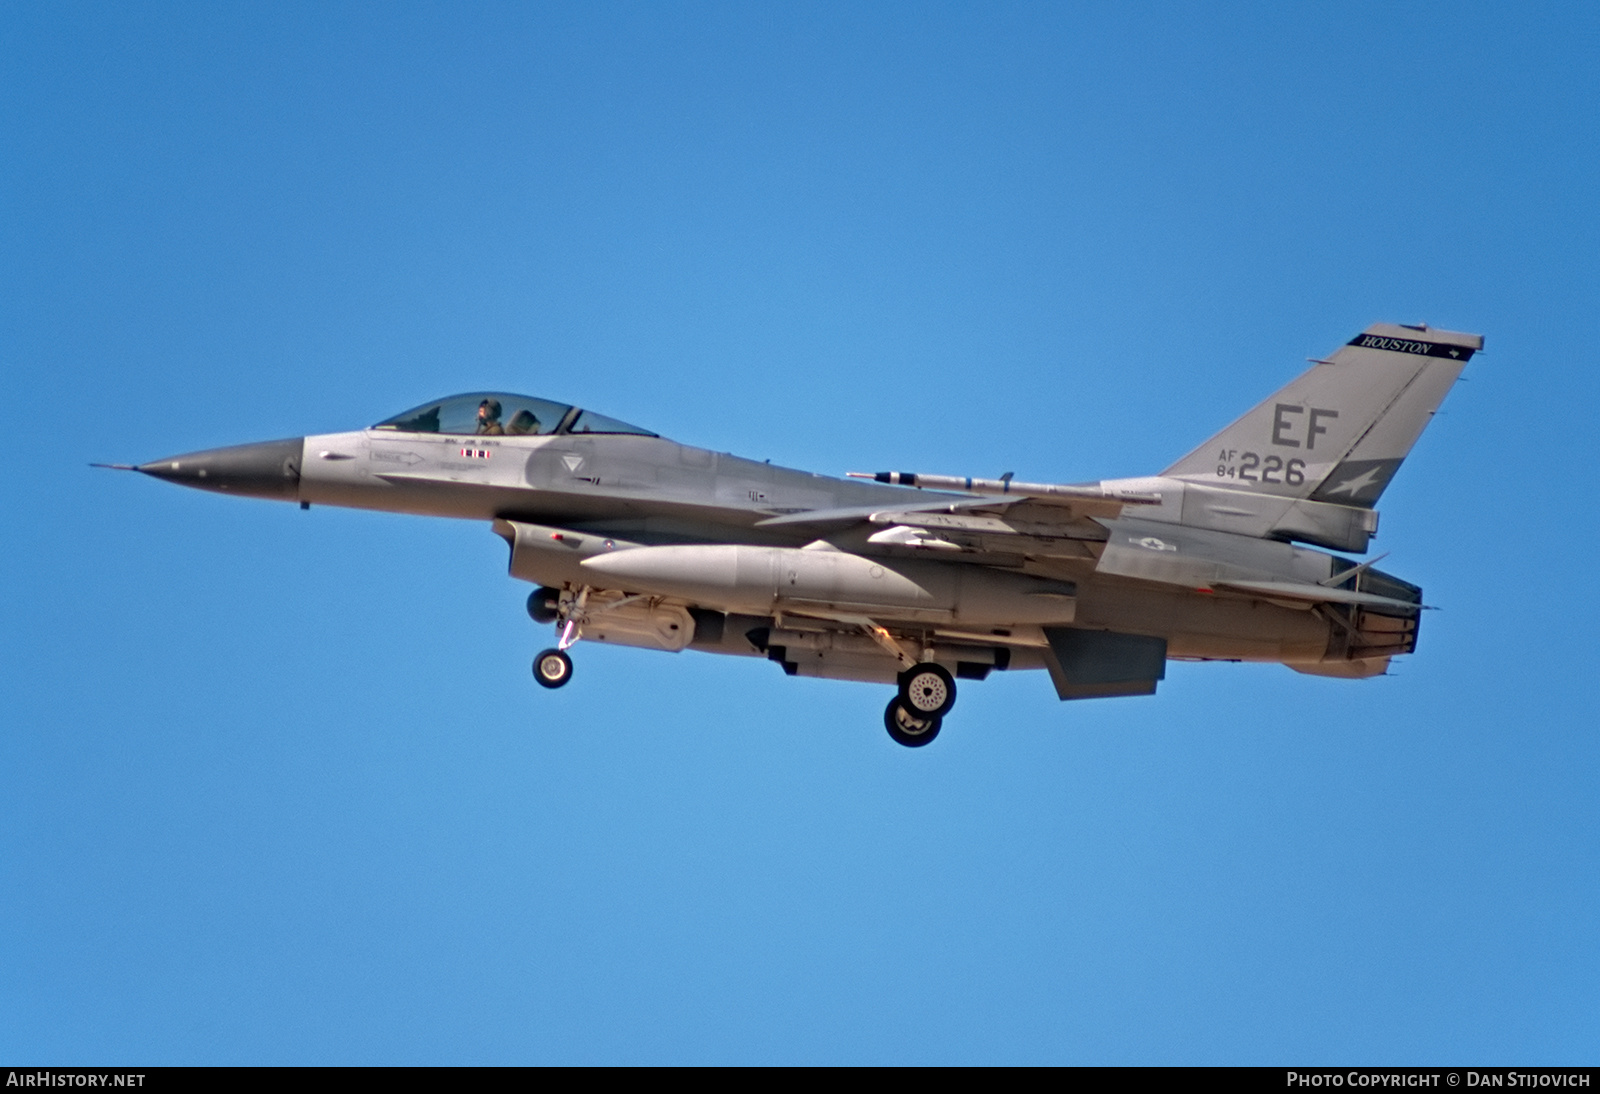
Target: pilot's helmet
{"points": [[489, 410]]}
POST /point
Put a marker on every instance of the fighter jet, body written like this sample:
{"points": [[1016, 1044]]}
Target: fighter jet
{"points": [[918, 580]]}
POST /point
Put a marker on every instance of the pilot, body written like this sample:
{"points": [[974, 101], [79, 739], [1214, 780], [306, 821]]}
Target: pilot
{"points": [[523, 422], [489, 418]]}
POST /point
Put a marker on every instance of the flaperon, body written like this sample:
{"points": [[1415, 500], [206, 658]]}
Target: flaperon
{"points": [[917, 580]]}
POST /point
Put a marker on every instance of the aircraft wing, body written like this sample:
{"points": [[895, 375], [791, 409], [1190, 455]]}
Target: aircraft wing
{"points": [[975, 527], [1038, 504]]}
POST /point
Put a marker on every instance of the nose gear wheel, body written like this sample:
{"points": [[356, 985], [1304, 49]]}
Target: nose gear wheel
{"points": [[552, 668]]}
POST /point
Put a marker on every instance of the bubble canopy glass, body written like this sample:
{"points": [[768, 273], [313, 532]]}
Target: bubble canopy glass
{"points": [[498, 413]]}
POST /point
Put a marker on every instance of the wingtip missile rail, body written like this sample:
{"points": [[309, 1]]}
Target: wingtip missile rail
{"points": [[1007, 485]]}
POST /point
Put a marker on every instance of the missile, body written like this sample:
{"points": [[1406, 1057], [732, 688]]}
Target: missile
{"points": [[1006, 484]]}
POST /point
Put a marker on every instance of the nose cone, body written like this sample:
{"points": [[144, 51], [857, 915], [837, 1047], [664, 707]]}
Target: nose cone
{"points": [[267, 470]]}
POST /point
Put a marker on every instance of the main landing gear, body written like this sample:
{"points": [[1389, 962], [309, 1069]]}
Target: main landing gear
{"points": [[927, 690], [914, 717], [553, 668], [911, 730]]}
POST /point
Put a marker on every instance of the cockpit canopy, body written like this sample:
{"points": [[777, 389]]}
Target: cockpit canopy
{"points": [[498, 413]]}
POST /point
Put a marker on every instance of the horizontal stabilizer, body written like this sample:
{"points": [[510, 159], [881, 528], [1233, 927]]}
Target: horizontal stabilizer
{"points": [[1363, 669], [1320, 594]]}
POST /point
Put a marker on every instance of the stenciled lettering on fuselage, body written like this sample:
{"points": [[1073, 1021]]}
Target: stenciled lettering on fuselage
{"points": [[456, 456]]}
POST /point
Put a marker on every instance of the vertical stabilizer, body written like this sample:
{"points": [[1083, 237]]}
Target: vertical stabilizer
{"points": [[1339, 432]]}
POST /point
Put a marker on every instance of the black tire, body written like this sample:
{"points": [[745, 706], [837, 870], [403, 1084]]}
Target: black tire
{"points": [[909, 729], [543, 605], [927, 690], [552, 668]]}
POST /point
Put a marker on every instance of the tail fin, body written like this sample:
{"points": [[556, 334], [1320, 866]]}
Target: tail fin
{"points": [[1339, 432]]}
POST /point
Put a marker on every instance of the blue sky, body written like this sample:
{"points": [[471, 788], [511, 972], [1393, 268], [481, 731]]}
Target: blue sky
{"points": [[278, 786]]}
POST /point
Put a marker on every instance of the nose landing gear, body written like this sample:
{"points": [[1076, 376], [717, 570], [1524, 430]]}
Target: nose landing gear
{"points": [[552, 668]]}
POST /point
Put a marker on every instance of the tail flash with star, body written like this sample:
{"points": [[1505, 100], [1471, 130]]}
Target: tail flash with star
{"points": [[1339, 432]]}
